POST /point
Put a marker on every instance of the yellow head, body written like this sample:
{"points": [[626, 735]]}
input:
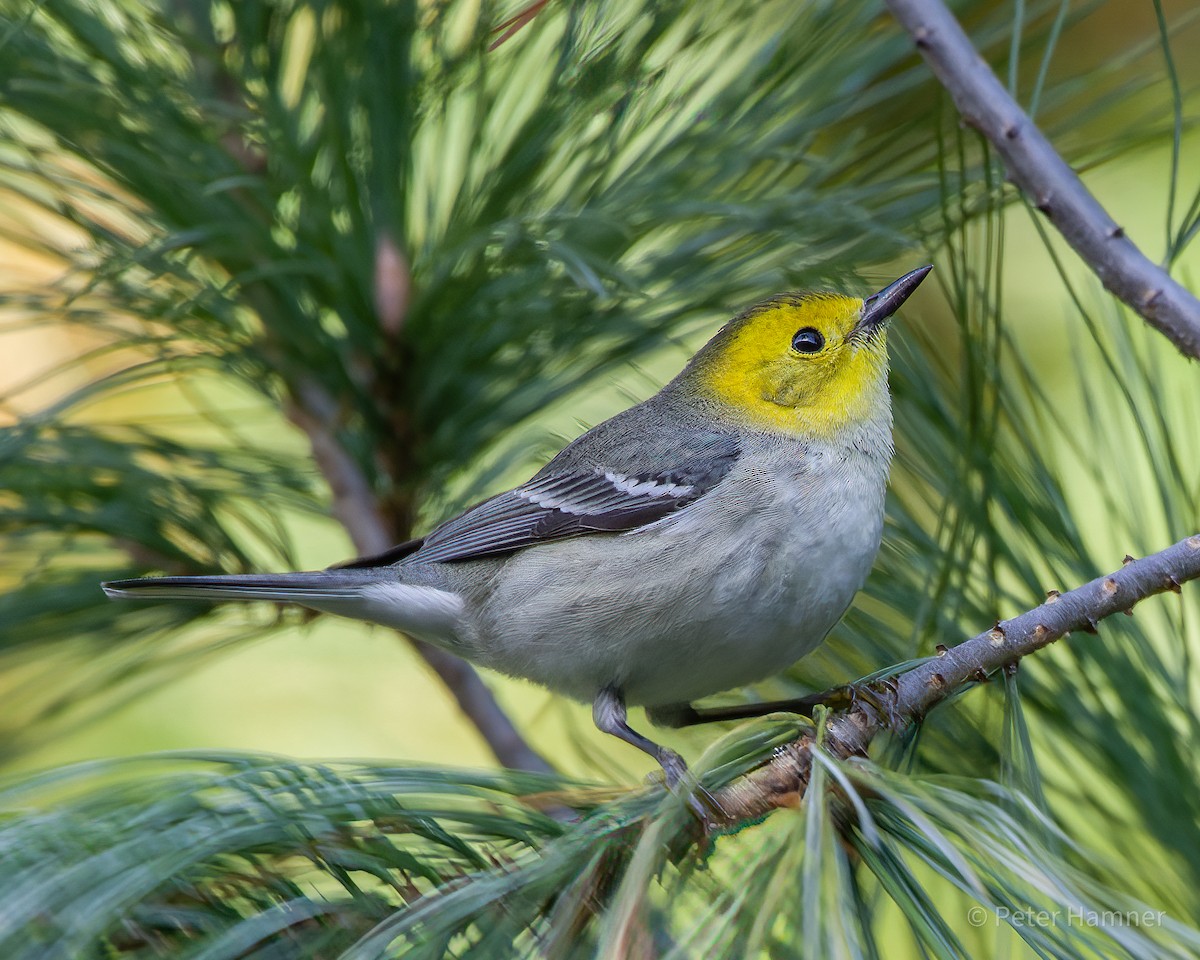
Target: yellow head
{"points": [[804, 364]]}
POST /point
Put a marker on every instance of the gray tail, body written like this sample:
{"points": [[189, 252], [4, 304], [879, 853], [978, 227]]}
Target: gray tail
{"points": [[304, 588], [430, 613]]}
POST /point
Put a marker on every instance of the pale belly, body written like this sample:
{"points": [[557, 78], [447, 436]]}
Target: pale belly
{"points": [[716, 597]]}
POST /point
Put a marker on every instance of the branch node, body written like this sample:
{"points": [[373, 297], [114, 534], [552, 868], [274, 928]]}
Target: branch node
{"points": [[1193, 542], [941, 649], [937, 680], [1045, 178], [1012, 667], [980, 676], [1052, 596], [1090, 624], [1040, 632], [996, 634], [1109, 586], [392, 285], [1172, 584], [1127, 560]]}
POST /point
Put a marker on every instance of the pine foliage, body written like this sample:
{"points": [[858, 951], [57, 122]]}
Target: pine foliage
{"points": [[357, 209]]}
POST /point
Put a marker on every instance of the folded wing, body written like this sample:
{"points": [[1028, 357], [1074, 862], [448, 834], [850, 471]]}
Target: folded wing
{"points": [[558, 504]]}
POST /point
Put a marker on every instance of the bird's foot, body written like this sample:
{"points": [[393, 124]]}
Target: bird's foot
{"points": [[880, 695], [608, 710], [703, 805]]}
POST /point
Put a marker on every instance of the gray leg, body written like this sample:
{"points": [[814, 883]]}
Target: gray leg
{"points": [[685, 715], [608, 712]]}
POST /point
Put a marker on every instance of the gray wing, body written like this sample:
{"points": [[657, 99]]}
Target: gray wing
{"points": [[577, 494]]}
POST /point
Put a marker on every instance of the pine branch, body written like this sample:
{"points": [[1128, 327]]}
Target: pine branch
{"points": [[357, 508], [1046, 179], [783, 781]]}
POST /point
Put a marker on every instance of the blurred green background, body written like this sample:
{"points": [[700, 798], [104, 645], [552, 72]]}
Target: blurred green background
{"points": [[335, 688], [332, 688]]}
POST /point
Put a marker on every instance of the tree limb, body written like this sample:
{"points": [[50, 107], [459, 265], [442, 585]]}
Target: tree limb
{"points": [[1046, 179], [357, 508], [783, 780]]}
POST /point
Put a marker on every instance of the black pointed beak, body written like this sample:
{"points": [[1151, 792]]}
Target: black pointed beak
{"points": [[879, 306]]}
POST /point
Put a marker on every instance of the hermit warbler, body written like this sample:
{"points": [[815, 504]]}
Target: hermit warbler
{"points": [[702, 540]]}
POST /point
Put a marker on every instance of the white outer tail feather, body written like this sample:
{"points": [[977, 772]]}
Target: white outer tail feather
{"points": [[425, 612]]}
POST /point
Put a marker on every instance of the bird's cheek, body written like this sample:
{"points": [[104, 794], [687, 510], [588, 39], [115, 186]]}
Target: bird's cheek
{"points": [[784, 391], [793, 395]]}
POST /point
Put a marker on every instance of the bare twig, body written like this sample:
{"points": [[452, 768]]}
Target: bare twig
{"points": [[357, 508], [783, 780], [513, 24], [1046, 179], [355, 504]]}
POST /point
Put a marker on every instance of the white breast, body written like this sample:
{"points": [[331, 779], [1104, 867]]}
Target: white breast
{"points": [[729, 591]]}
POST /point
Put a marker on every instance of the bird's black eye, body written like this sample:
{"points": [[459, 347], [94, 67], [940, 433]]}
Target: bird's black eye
{"points": [[808, 340]]}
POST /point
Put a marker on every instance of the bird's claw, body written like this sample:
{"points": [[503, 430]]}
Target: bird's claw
{"points": [[880, 696], [703, 805]]}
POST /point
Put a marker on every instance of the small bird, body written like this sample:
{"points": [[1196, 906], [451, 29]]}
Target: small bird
{"points": [[702, 540]]}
